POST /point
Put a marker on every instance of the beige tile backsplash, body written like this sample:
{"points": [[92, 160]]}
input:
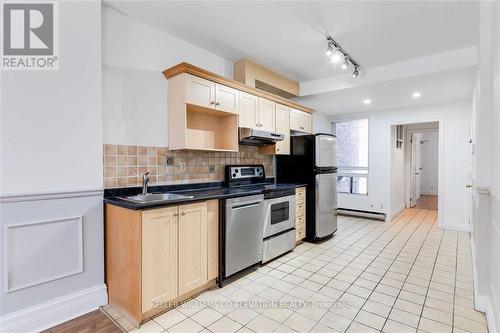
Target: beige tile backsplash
{"points": [[125, 165]]}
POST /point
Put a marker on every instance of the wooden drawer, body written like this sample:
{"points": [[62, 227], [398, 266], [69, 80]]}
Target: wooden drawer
{"points": [[300, 234], [299, 210], [300, 222], [300, 195]]}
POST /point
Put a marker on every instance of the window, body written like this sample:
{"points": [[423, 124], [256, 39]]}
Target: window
{"points": [[352, 156]]}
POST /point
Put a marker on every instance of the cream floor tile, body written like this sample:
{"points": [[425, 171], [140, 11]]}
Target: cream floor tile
{"points": [[300, 323], [242, 315], [392, 326], [360, 328], [170, 318], [335, 321], [278, 314], [432, 326], [187, 325], [224, 325], [206, 317], [370, 319], [404, 317], [262, 324]]}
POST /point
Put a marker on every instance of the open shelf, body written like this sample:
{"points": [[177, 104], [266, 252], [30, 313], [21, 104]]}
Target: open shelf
{"points": [[210, 129]]}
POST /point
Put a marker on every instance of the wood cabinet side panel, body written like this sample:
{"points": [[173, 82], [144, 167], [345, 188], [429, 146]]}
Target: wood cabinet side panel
{"points": [[176, 112], [123, 260], [213, 239]]}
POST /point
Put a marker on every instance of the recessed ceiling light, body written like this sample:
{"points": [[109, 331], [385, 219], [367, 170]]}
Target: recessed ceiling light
{"points": [[367, 101], [416, 94]]}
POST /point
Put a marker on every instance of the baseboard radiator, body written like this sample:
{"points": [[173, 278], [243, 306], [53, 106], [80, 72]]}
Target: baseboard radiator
{"points": [[361, 213]]}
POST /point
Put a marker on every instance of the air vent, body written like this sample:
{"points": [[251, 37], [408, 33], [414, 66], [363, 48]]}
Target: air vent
{"points": [[399, 136]]}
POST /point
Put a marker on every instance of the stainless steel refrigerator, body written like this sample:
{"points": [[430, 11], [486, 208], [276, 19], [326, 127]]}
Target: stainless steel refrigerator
{"points": [[313, 162]]}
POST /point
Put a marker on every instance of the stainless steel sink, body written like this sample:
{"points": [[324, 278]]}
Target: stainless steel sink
{"points": [[156, 197]]}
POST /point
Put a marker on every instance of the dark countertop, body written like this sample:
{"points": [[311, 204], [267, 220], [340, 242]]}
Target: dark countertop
{"points": [[198, 191]]}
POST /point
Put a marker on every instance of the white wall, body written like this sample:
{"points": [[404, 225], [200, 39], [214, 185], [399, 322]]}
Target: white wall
{"points": [[485, 238], [50, 127], [454, 120], [321, 123], [134, 88], [398, 174], [429, 162], [51, 145]]}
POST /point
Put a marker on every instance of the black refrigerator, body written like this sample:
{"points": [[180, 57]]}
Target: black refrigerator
{"points": [[313, 161]]}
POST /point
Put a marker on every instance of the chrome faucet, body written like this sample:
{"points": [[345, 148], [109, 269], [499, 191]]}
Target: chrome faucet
{"points": [[145, 181]]}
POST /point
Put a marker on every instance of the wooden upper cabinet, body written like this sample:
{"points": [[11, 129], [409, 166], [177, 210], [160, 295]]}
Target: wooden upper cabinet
{"points": [[192, 246], [267, 112], [249, 110], [159, 257], [307, 122], [300, 121], [226, 99], [200, 92], [283, 126]]}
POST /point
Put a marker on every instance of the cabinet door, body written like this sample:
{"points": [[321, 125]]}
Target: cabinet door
{"points": [[249, 108], [192, 246], [226, 99], [200, 91], [159, 257], [295, 120], [283, 126], [306, 122], [267, 112]]}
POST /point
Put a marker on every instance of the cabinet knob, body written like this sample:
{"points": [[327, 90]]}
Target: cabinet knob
{"points": [[277, 149], [212, 102], [183, 213], [176, 214], [217, 104]]}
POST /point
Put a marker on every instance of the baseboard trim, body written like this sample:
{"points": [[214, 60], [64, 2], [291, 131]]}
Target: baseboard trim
{"points": [[56, 311], [456, 227], [484, 304], [396, 212]]}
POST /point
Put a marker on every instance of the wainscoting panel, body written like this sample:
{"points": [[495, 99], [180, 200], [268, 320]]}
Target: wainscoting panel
{"points": [[52, 247], [494, 316], [27, 266]]}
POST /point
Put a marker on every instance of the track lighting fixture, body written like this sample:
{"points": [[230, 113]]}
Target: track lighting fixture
{"points": [[337, 54]]}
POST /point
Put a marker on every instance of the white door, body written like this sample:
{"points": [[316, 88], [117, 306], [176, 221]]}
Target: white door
{"points": [[413, 171]]}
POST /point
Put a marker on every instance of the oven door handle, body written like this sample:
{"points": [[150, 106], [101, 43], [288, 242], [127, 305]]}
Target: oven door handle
{"points": [[247, 205]]}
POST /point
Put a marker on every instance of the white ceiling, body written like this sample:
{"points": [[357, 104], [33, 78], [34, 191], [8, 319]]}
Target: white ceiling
{"points": [[442, 87], [289, 36]]}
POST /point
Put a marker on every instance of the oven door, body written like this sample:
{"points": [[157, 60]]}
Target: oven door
{"points": [[279, 215]]}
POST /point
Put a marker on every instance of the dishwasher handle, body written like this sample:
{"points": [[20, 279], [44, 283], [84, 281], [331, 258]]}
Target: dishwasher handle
{"points": [[246, 205]]}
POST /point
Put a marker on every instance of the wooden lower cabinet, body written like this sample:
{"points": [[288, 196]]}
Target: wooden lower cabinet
{"points": [[300, 214], [159, 256], [193, 248]]}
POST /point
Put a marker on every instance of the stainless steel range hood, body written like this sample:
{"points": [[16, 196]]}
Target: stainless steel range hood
{"points": [[255, 137]]}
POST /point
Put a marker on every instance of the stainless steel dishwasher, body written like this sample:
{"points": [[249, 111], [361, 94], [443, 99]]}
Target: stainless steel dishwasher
{"points": [[244, 230]]}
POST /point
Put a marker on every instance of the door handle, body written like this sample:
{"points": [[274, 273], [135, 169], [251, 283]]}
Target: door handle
{"points": [[468, 185]]}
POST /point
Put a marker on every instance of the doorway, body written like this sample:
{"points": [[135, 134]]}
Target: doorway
{"points": [[422, 165]]}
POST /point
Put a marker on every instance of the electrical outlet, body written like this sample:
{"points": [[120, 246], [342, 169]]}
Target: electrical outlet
{"points": [[211, 168], [169, 161]]}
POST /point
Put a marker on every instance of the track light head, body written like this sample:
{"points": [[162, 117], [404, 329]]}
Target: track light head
{"points": [[345, 64], [355, 73], [337, 56], [329, 50]]}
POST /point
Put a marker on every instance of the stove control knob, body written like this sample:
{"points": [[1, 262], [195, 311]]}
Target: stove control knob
{"points": [[234, 175], [236, 170]]}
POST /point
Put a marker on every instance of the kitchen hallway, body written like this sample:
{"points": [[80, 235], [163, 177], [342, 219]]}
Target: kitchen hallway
{"points": [[372, 276]]}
